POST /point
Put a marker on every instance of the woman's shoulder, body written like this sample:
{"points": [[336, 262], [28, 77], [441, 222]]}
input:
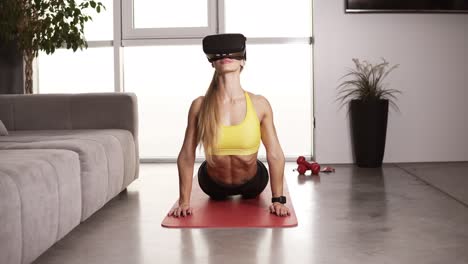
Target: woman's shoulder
{"points": [[196, 104], [258, 100], [198, 100]]}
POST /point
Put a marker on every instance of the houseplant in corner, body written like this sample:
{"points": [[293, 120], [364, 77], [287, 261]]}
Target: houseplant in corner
{"points": [[368, 99], [35, 25]]}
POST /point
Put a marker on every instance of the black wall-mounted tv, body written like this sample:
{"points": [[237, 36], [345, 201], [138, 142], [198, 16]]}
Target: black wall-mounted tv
{"points": [[407, 6]]}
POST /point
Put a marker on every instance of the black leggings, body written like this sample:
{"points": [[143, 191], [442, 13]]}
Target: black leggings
{"points": [[218, 191]]}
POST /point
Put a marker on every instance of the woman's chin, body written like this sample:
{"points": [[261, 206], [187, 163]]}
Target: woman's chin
{"points": [[225, 70]]}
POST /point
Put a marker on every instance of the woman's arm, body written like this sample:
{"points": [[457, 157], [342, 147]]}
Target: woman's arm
{"points": [[186, 160], [275, 156]]}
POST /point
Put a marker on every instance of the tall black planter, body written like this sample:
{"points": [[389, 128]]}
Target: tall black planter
{"points": [[369, 131]]}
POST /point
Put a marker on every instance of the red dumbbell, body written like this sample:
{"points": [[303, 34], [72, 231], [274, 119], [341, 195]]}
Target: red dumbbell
{"points": [[315, 167], [300, 160], [304, 166]]}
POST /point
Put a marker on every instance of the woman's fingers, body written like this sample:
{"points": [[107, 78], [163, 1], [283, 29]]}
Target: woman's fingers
{"points": [[185, 212], [284, 211], [279, 210], [180, 211]]}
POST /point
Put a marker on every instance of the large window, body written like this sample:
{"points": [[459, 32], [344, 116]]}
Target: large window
{"points": [[161, 14], [153, 48], [87, 70], [152, 19], [166, 79], [102, 25]]}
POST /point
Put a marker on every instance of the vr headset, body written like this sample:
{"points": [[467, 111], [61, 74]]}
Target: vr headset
{"points": [[221, 46]]}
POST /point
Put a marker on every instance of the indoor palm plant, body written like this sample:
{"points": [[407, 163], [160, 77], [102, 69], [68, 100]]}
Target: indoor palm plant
{"points": [[368, 98], [46, 25]]}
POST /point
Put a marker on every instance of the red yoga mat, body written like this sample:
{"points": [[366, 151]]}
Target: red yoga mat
{"points": [[234, 212]]}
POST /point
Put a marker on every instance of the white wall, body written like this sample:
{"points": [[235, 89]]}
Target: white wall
{"points": [[432, 50]]}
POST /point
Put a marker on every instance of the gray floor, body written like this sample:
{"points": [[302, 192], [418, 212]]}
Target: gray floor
{"points": [[402, 213], [436, 174]]}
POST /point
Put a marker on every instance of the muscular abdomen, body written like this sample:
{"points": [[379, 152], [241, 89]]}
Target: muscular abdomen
{"points": [[233, 169]]}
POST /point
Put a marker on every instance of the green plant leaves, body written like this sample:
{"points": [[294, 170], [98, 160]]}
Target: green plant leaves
{"points": [[36, 25], [365, 82], [45, 25]]}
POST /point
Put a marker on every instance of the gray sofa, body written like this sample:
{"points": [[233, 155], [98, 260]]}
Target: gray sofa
{"points": [[64, 157]]}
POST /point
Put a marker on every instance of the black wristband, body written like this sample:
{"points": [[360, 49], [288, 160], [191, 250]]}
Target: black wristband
{"points": [[281, 199]]}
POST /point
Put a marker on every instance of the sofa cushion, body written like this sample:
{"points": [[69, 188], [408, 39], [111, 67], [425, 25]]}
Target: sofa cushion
{"points": [[3, 130], [47, 183], [10, 221], [107, 158], [124, 137], [93, 167]]}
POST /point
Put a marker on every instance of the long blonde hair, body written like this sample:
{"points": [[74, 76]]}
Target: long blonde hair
{"points": [[208, 120]]}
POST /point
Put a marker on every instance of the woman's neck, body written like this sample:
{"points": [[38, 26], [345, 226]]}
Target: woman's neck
{"points": [[229, 87]]}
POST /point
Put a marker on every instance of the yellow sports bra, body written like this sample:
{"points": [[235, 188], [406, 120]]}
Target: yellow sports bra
{"points": [[243, 138]]}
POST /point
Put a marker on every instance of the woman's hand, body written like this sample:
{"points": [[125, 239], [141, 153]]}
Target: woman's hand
{"points": [[182, 210], [279, 209]]}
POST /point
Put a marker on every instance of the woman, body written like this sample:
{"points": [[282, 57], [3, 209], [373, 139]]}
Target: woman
{"points": [[230, 122]]}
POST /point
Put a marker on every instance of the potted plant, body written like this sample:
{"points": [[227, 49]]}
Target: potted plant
{"points": [[368, 99], [35, 25]]}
